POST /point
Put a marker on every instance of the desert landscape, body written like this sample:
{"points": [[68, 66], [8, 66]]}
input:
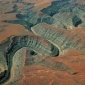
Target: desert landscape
{"points": [[42, 42]]}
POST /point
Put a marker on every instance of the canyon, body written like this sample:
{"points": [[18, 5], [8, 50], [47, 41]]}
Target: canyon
{"points": [[42, 42]]}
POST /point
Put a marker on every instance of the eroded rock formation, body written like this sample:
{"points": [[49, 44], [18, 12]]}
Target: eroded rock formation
{"points": [[61, 38], [56, 57], [63, 14], [13, 44]]}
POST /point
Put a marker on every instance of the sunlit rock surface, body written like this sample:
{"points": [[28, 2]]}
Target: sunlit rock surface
{"points": [[28, 13], [61, 38], [54, 52], [17, 67], [62, 9], [68, 21], [3, 63], [10, 46], [42, 75]]}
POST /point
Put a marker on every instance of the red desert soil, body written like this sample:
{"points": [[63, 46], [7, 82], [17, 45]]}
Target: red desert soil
{"points": [[39, 75], [11, 30]]}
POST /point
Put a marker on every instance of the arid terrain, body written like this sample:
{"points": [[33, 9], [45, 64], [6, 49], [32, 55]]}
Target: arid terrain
{"points": [[42, 42]]}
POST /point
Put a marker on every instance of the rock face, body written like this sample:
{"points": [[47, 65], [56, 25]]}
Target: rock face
{"points": [[26, 12], [55, 14], [54, 8], [30, 19], [65, 19], [17, 66], [54, 54], [60, 38], [3, 63], [14, 9], [42, 75], [64, 13], [68, 20], [82, 25], [76, 21], [38, 44]]}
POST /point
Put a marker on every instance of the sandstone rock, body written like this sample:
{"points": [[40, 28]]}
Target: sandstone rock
{"points": [[13, 44], [17, 65], [59, 24], [54, 8], [16, 1], [82, 24], [66, 69], [30, 19], [60, 38], [79, 12], [57, 76], [3, 63], [15, 7], [67, 20], [76, 21]]}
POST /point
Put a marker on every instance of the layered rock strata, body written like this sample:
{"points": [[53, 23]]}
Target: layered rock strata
{"points": [[46, 61], [17, 67], [61, 38], [14, 43], [3, 63], [66, 14], [68, 21], [30, 19]]}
